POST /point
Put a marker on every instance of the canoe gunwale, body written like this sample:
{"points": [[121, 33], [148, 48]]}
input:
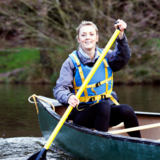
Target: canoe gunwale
{"points": [[98, 133], [148, 114]]}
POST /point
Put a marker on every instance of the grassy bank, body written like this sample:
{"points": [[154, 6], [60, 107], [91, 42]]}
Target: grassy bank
{"points": [[147, 72], [19, 60], [14, 58]]}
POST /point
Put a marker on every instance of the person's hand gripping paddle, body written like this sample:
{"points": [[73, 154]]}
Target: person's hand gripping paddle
{"points": [[41, 155]]}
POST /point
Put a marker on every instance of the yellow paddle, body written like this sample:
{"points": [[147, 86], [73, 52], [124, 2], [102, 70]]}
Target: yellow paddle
{"points": [[41, 155]]}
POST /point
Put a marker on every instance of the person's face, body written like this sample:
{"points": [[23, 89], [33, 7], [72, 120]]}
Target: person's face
{"points": [[87, 37]]}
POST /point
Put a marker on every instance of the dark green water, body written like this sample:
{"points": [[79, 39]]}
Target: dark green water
{"points": [[18, 118], [141, 97]]}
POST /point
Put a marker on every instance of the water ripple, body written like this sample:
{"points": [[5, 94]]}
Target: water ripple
{"points": [[22, 148]]}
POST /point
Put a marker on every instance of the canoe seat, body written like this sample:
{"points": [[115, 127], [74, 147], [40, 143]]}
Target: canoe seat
{"points": [[119, 126], [70, 121]]}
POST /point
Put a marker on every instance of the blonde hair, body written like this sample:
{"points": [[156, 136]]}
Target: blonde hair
{"points": [[85, 23]]}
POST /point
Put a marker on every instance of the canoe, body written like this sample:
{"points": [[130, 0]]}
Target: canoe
{"points": [[90, 144]]}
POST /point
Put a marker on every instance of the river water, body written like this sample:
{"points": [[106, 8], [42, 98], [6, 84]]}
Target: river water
{"points": [[20, 134]]}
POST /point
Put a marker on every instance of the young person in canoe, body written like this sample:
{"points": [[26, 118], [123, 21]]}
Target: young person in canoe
{"points": [[95, 109]]}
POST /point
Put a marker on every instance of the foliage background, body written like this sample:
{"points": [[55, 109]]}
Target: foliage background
{"points": [[38, 35]]}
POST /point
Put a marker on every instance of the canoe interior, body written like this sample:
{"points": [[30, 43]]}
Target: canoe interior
{"points": [[144, 119]]}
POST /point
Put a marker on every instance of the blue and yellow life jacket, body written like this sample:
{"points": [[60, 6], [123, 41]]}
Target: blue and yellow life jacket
{"points": [[100, 85]]}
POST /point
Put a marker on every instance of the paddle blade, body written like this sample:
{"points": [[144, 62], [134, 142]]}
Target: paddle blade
{"points": [[41, 155]]}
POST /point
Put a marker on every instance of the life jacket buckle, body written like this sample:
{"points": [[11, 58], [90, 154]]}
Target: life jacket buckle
{"points": [[98, 84], [79, 65], [103, 96], [92, 99]]}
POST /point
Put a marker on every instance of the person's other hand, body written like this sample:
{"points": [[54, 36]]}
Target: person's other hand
{"points": [[122, 26]]}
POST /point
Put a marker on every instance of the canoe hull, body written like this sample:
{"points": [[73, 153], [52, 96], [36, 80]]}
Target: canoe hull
{"points": [[87, 144]]}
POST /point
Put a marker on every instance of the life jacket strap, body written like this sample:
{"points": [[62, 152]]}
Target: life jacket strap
{"points": [[114, 100], [106, 71], [102, 97], [105, 63], [104, 60], [81, 74], [96, 97], [79, 109], [95, 94], [96, 84]]}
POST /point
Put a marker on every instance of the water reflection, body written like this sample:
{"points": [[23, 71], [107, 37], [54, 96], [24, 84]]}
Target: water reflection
{"points": [[17, 116], [140, 97]]}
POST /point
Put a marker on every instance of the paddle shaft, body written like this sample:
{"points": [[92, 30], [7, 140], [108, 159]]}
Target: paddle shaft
{"points": [[135, 128], [90, 75]]}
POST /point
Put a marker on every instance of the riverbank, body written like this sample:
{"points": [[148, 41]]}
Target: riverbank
{"points": [[24, 66]]}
